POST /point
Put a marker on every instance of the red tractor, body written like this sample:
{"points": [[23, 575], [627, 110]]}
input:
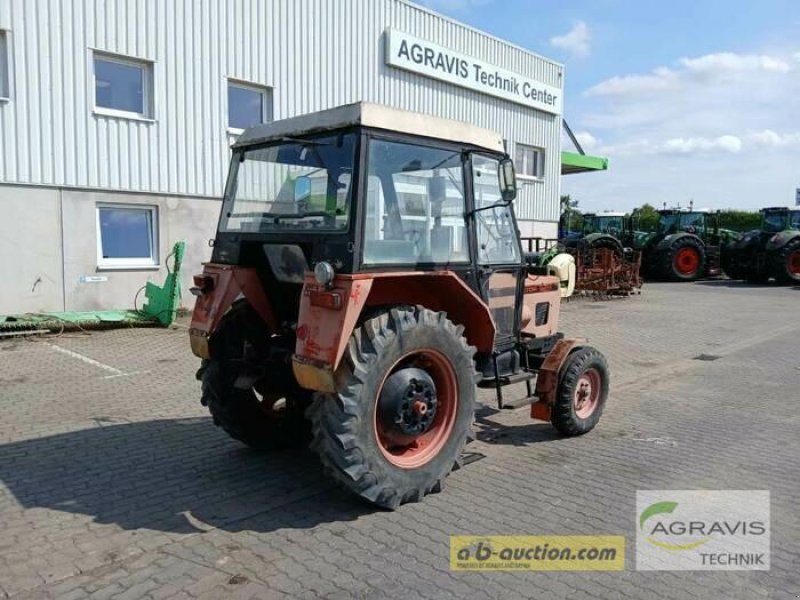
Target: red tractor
{"points": [[366, 278]]}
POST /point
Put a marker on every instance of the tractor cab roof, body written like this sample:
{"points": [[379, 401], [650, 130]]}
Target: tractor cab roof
{"points": [[605, 213], [366, 114], [780, 209], [683, 211]]}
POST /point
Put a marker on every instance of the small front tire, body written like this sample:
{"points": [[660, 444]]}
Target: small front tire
{"points": [[582, 392]]}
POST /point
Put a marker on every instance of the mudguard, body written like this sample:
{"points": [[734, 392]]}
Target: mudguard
{"points": [[594, 238], [672, 238], [779, 240]]}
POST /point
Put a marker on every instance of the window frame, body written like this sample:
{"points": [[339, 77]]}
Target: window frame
{"points": [[266, 93], [5, 67], [148, 82], [520, 169], [131, 262]]}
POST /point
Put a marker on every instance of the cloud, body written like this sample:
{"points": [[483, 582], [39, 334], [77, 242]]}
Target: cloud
{"points": [[695, 145], [770, 138], [708, 69], [587, 140], [577, 41]]}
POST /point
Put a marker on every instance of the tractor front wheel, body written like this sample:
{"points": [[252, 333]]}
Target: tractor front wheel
{"points": [[582, 392], [404, 410], [685, 260]]}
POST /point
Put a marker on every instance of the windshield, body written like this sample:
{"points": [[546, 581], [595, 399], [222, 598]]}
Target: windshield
{"points": [[294, 185], [669, 224], [774, 222], [610, 225]]}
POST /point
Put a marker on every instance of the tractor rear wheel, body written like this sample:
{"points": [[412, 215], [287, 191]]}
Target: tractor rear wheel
{"points": [[684, 260], [405, 408], [786, 263], [266, 414], [582, 392]]}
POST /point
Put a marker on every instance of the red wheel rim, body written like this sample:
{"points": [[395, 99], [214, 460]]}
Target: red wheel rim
{"points": [[587, 393], [687, 261], [794, 263], [427, 445]]}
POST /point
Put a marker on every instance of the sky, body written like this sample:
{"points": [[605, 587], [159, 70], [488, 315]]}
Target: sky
{"points": [[691, 100]]}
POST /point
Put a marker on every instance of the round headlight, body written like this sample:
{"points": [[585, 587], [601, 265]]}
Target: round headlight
{"points": [[323, 273]]}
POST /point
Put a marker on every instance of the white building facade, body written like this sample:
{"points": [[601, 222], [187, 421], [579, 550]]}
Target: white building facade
{"points": [[116, 118]]}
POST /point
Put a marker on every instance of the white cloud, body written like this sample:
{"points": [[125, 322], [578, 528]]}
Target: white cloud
{"points": [[729, 62], [768, 137], [577, 41], [709, 69], [587, 140], [696, 145]]}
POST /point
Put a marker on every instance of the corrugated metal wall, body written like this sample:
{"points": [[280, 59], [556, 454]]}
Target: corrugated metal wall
{"points": [[314, 53]]}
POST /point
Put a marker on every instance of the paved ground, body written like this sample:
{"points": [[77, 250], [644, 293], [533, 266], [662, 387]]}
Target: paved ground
{"points": [[114, 482]]}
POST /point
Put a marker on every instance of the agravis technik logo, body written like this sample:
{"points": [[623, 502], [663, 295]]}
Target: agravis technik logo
{"points": [[702, 530]]}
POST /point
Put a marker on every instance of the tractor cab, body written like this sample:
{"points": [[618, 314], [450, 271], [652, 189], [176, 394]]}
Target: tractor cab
{"points": [[611, 223], [366, 276], [778, 219]]}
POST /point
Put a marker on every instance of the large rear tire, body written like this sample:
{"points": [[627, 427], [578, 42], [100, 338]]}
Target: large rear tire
{"points": [[401, 367], [582, 392], [684, 260], [266, 414], [786, 263]]}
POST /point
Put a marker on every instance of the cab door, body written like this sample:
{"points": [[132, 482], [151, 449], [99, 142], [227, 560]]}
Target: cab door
{"points": [[498, 253]]}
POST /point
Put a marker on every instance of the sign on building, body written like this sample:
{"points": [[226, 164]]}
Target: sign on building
{"points": [[411, 53]]}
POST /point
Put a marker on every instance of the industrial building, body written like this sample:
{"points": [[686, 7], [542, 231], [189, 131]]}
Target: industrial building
{"points": [[116, 119]]}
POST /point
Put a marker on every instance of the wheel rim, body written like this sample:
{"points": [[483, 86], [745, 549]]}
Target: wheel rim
{"points": [[687, 261], [587, 393], [794, 264], [404, 449]]}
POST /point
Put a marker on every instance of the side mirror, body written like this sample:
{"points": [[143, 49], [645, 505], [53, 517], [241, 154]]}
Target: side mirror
{"points": [[508, 180], [302, 189]]}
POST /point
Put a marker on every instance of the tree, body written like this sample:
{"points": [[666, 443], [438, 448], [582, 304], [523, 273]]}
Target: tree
{"points": [[571, 217], [645, 218]]}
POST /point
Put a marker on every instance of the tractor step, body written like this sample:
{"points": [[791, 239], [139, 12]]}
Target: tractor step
{"points": [[519, 402], [520, 377]]}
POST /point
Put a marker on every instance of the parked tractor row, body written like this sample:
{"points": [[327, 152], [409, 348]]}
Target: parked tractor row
{"points": [[689, 244]]}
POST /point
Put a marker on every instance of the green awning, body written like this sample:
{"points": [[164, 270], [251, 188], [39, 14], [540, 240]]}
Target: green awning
{"points": [[572, 162]]}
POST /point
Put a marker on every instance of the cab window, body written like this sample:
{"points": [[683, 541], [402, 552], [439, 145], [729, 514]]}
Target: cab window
{"points": [[415, 205], [497, 237]]}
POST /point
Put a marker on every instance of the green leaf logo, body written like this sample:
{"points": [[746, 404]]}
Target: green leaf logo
{"points": [[665, 508]]}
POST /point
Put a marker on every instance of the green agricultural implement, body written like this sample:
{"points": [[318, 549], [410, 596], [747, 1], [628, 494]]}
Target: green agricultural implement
{"points": [[773, 251], [160, 309]]}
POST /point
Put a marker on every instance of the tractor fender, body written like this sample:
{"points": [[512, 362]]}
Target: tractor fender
{"points": [[779, 240], [329, 315], [747, 240], [225, 285], [672, 238], [549, 376], [594, 239]]}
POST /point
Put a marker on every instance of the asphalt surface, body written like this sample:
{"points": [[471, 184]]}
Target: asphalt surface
{"points": [[115, 483]]}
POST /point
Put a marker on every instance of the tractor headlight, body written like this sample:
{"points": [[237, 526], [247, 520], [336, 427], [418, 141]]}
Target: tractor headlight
{"points": [[323, 273]]}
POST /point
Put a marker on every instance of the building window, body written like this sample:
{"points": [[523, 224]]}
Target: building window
{"points": [[4, 65], [123, 86], [127, 236], [248, 105], [529, 161]]}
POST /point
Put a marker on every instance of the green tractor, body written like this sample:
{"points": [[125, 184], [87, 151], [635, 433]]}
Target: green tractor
{"points": [[686, 245], [773, 251], [600, 230]]}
